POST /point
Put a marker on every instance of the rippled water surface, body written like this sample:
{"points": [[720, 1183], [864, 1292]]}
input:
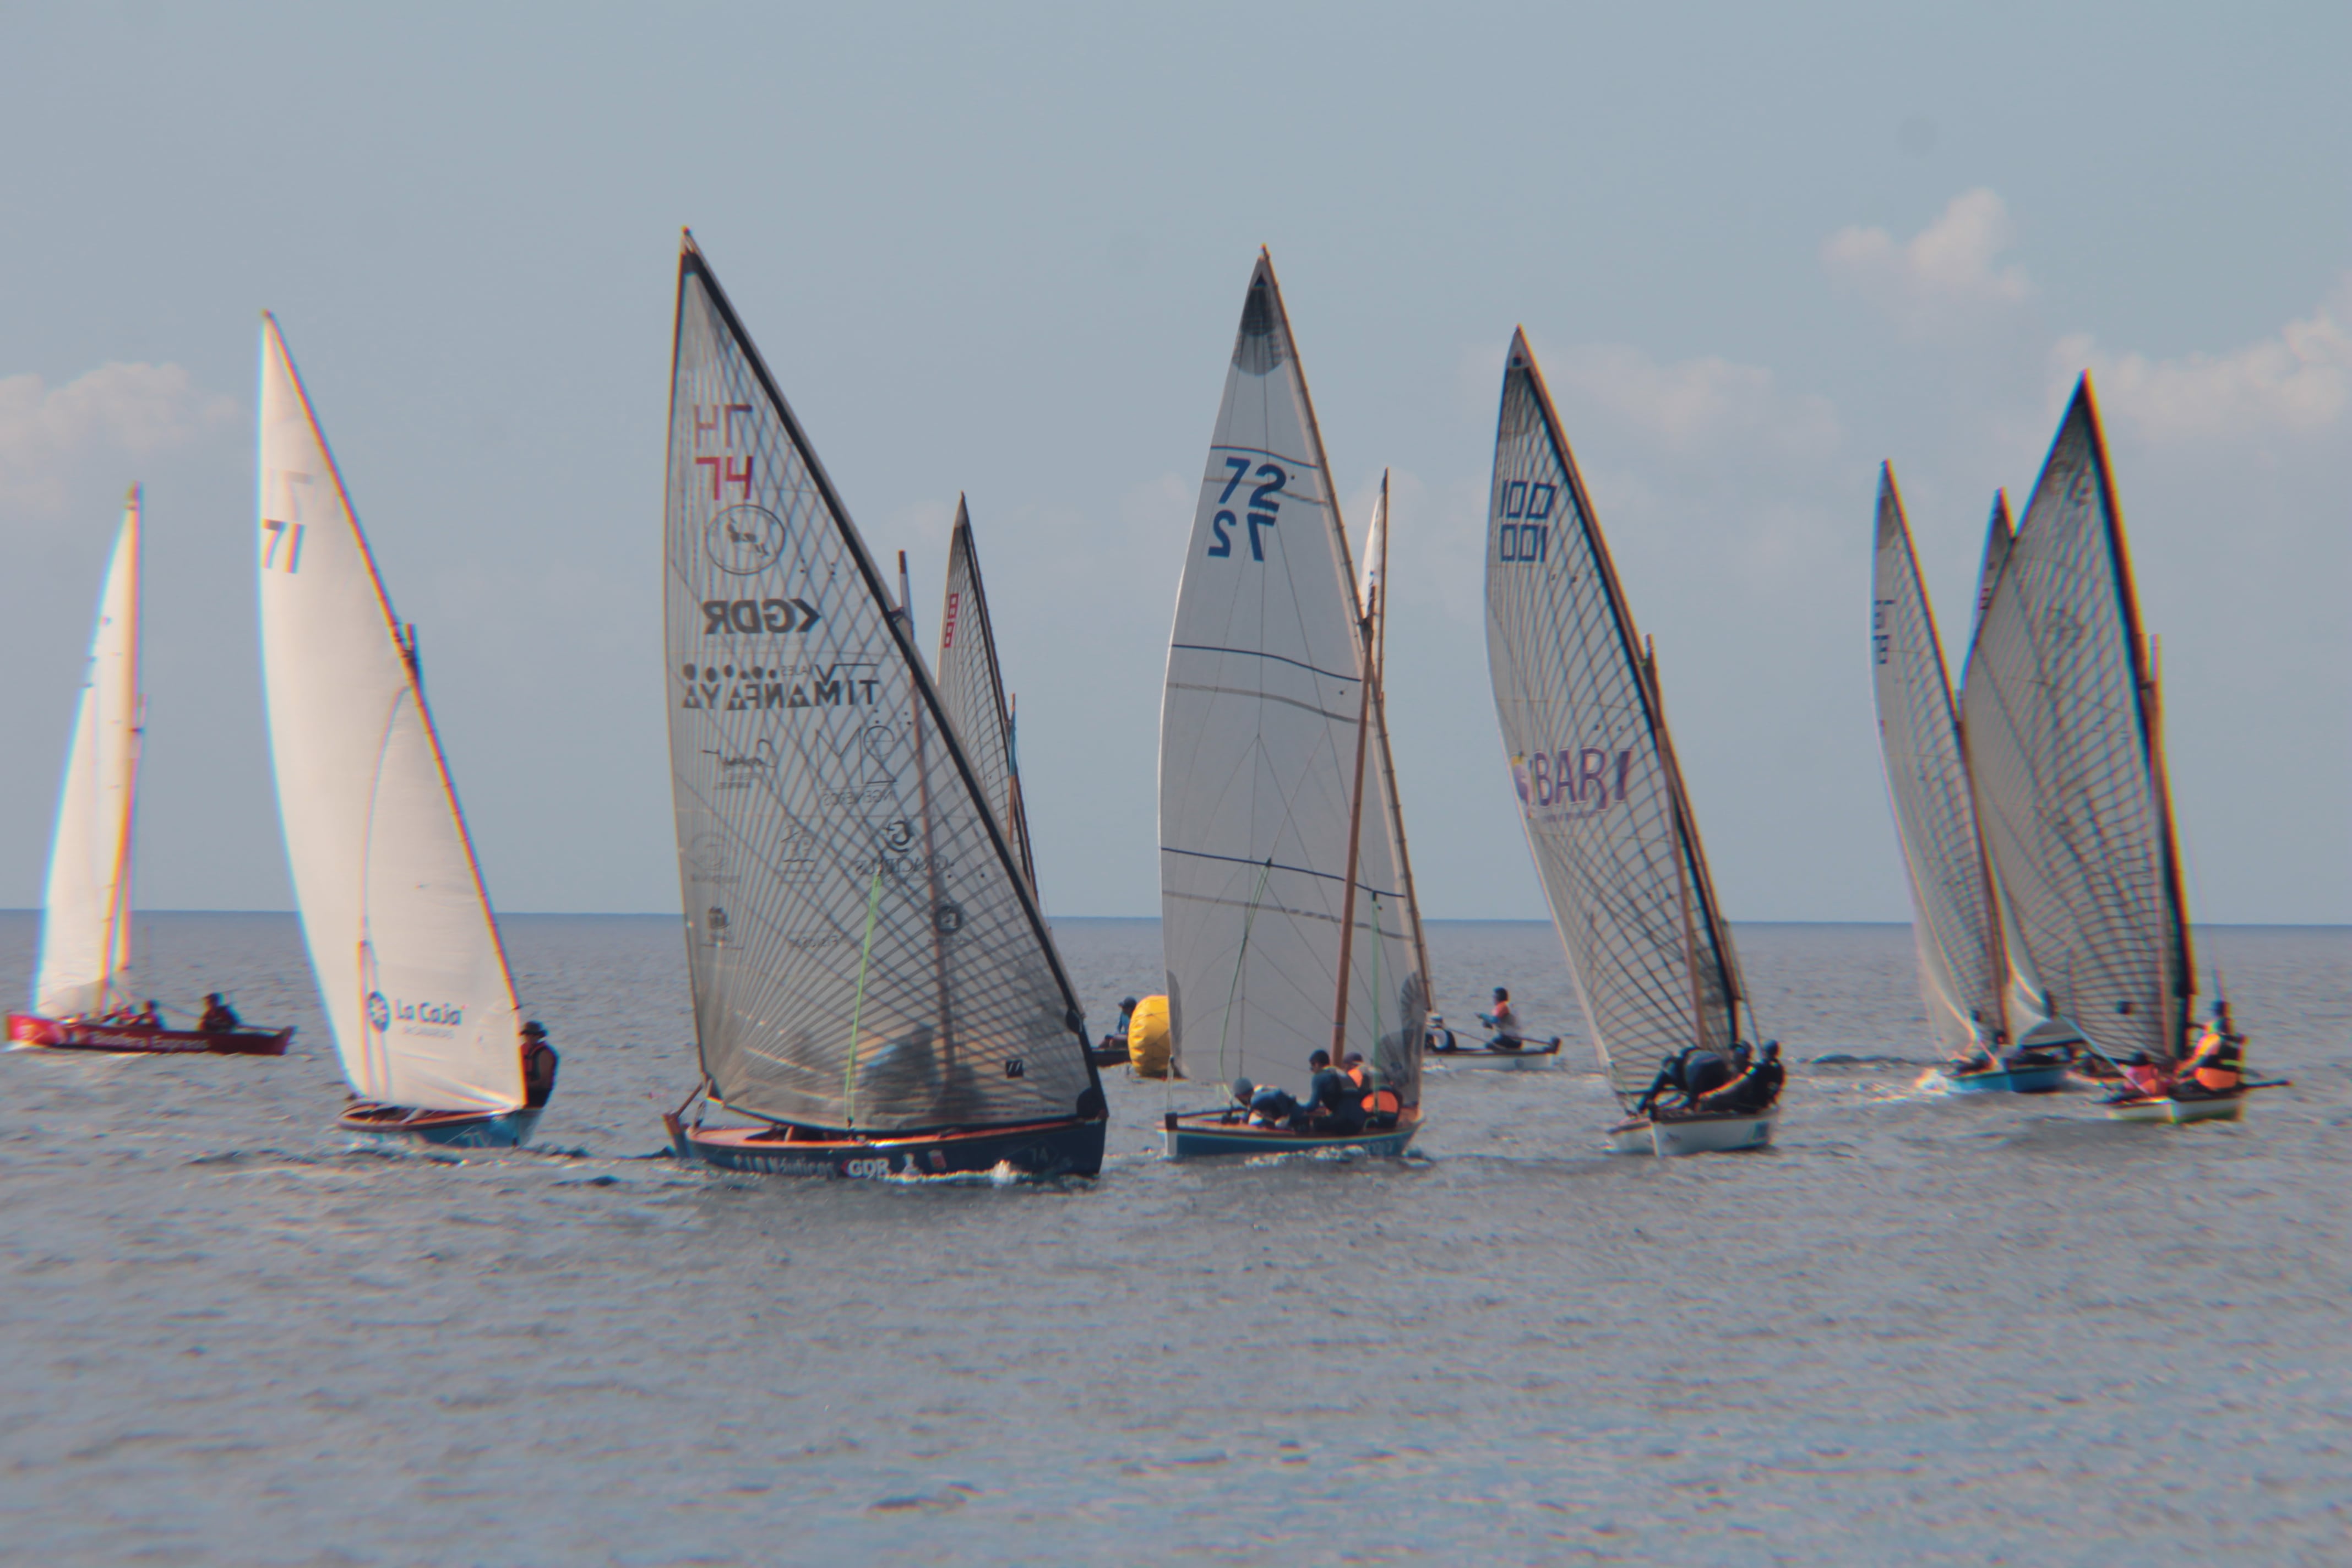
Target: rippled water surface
{"points": [[1922, 1329]]}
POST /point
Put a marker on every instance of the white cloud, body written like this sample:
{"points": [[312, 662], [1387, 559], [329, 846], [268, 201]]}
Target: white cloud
{"points": [[1699, 408], [126, 411], [1947, 270], [2297, 382]]}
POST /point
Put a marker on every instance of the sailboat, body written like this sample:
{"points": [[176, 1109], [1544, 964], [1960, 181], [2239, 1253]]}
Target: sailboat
{"points": [[2066, 755], [1285, 913], [875, 986], [1607, 815], [81, 1000], [1964, 969], [401, 936]]}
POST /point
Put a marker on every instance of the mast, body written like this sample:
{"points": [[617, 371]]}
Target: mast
{"points": [[1377, 613]]}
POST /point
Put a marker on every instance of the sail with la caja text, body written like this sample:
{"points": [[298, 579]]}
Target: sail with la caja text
{"points": [[866, 952]]}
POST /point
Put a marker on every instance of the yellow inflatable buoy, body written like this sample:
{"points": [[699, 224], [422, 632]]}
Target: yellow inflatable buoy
{"points": [[1147, 1037]]}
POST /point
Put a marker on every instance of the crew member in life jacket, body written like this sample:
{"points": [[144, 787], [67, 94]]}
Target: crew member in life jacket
{"points": [[1691, 1073], [1333, 1103], [1753, 1090], [1504, 1022], [1382, 1106], [2216, 1069], [1117, 1039], [2143, 1079], [539, 1064], [219, 1018]]}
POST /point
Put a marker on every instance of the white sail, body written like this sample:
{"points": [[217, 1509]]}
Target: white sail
{"points": [[2059, 711], [1956, 921], [400, 932], [1578, 701], [1259, 759], [972, 687], [1998, 536], [86, 919], [1376, 602], [864, 950]]}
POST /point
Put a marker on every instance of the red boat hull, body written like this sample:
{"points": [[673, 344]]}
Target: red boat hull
{"points": [[87, 1034]]}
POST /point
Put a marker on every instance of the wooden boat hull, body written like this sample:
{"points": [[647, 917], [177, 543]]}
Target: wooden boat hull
{"points": [[2043, 1078], [443, 1129], [1536, 1057], [1682, 1135], [1072, 1148], [1107, 1055], [27, 1032], [1204, 1135], [2178, 1112]]}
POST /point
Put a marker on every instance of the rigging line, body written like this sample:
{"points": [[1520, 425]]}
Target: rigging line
{"points": [[857, 1004], [1348, 679]]}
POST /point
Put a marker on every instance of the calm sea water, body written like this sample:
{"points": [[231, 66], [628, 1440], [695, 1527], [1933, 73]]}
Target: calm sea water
{"points": [[1923, 1328]]}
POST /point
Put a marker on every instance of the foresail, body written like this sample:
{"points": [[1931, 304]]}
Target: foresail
{"points": [[2061, 745], [1998, 536], [1963, 975], [863, 947], [400, 932], [86, 910], [1579, 716], [971, 689], [1258, 750]]}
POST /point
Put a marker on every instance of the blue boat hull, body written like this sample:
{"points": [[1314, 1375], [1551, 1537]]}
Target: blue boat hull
{"points": [[1208, 1138], [2047, 1077], [444, 1129], [1073, 1148]]}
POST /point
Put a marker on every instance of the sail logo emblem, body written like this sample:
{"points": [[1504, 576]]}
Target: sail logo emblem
{"points": [[895, 836], [724, 617], [738, 688], [947, 625], [743, 540], [1530, 540], [1573, 782], [379, 1012]]}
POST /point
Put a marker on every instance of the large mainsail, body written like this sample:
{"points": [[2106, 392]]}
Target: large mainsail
{"points": [[86, 917], [972, 687], [2059, 710], [1260, 765], [400, 932], [865, 949], [1955, 920], [1578, 701]]}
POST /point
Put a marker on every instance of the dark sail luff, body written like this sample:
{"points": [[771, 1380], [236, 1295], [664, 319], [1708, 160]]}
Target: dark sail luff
{"points": [[2059, 708], [811, 831]]}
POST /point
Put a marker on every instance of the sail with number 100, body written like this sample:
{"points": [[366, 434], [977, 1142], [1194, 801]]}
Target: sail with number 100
{"points": [[1606, 815], [1260, 762], [865, 953]]}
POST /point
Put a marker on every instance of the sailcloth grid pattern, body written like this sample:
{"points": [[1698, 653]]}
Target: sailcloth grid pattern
{"points": [[2061, 747], [1954, 921], [1589, 757], [86, 912], [862, 949], [400, 932], [971, 689], [1258, 753]]}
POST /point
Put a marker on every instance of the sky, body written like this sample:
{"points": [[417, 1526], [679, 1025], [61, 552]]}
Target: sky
{"points": [[1002, 251]]}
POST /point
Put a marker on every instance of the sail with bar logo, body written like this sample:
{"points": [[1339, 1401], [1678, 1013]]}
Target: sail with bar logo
{"points": [[2059, 706], [1606, 814], [400, 932], [864, 948], [972, 687], [1955, 918], [86, 911], [1259, 760]]}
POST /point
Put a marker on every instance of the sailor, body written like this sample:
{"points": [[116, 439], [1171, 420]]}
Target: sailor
{"points": [[1117, 1039], [539, 1064], [1503, 1021], [1753, 1090], [1351, 1067], [219, 1017], [2143, 1079], [2216, 1069], [1691, 1072], [1437, 1037], [150, 1014], [1333, 1103]]}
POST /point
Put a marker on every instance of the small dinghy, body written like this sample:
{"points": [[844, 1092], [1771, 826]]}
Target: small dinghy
{"points": [[873, 983], [82, 1000], [406, 953], [1287, 908], [1441, 1044], [2063, 728], [1607, 816], [2010, 1078]]}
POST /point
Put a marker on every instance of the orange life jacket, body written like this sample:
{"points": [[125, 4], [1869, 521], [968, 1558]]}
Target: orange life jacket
{"points": [[2216, 1066], [1382, 1102]]}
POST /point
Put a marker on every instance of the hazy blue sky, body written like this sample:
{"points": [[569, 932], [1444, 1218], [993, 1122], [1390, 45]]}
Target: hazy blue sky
{"points": [[1005, 254]]}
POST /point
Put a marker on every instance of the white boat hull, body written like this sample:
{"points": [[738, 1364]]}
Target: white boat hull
{"points": [[2179, 1113], [1694, 1136]]}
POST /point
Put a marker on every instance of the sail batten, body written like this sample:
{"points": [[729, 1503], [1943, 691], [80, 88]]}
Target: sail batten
{"points": [[2070, 789], [1957, 924], [866, 949], [410, 967], [1263, 729], [1601, 797], [86, 906]]}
